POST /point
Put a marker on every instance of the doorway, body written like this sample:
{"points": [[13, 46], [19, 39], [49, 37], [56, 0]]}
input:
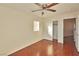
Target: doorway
{"points": [[69, 25], [69, 29], [55, 30], [69, 33]]}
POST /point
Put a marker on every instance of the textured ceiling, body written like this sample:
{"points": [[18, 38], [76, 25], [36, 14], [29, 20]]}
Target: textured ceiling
{"points": [[28, 7]]}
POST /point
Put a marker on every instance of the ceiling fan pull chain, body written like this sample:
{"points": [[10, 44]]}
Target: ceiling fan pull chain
{"points": [[42, 13]]}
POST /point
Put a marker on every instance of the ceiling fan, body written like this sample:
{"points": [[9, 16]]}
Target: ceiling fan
{"points": [[45, 6]]}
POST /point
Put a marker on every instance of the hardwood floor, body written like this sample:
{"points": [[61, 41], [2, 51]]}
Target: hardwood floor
{"points": [[69, 47], [49, 48]]}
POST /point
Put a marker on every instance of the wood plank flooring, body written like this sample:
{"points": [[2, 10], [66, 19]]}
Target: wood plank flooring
{"points": [[49, 48]]}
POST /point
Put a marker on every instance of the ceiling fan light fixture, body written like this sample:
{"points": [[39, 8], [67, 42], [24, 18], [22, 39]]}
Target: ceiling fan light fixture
{"points": [[45, 6]]}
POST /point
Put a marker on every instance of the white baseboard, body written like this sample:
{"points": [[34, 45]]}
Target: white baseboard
{"points": [[48, 38], [21, 47], [60, 42]]}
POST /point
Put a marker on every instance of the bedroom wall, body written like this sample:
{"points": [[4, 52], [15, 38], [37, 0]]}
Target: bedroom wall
{"points": [[16, 30], [76, 36], [47, 23]]}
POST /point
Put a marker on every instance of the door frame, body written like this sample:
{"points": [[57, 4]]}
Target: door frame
{"points": [[55, 39], [63, 24]]}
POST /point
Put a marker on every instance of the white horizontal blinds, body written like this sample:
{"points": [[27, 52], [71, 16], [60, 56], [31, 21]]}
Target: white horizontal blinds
{"points": [[36, 25]]}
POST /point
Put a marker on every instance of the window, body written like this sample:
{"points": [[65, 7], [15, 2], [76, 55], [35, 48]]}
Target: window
{"points": [[36, 25], [50, 29]]}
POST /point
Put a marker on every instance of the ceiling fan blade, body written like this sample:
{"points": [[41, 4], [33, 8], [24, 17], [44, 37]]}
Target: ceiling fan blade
{"points": [[51, 10], [38, 4], [53, 4], [37, 10]]}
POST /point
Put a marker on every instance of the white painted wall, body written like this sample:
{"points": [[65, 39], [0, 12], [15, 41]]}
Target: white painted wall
{"points": [[60, 31], [16, 30], [47, 23], [76, 36]]}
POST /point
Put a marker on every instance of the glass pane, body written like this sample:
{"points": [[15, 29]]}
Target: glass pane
{"points": [[36, 25]]}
